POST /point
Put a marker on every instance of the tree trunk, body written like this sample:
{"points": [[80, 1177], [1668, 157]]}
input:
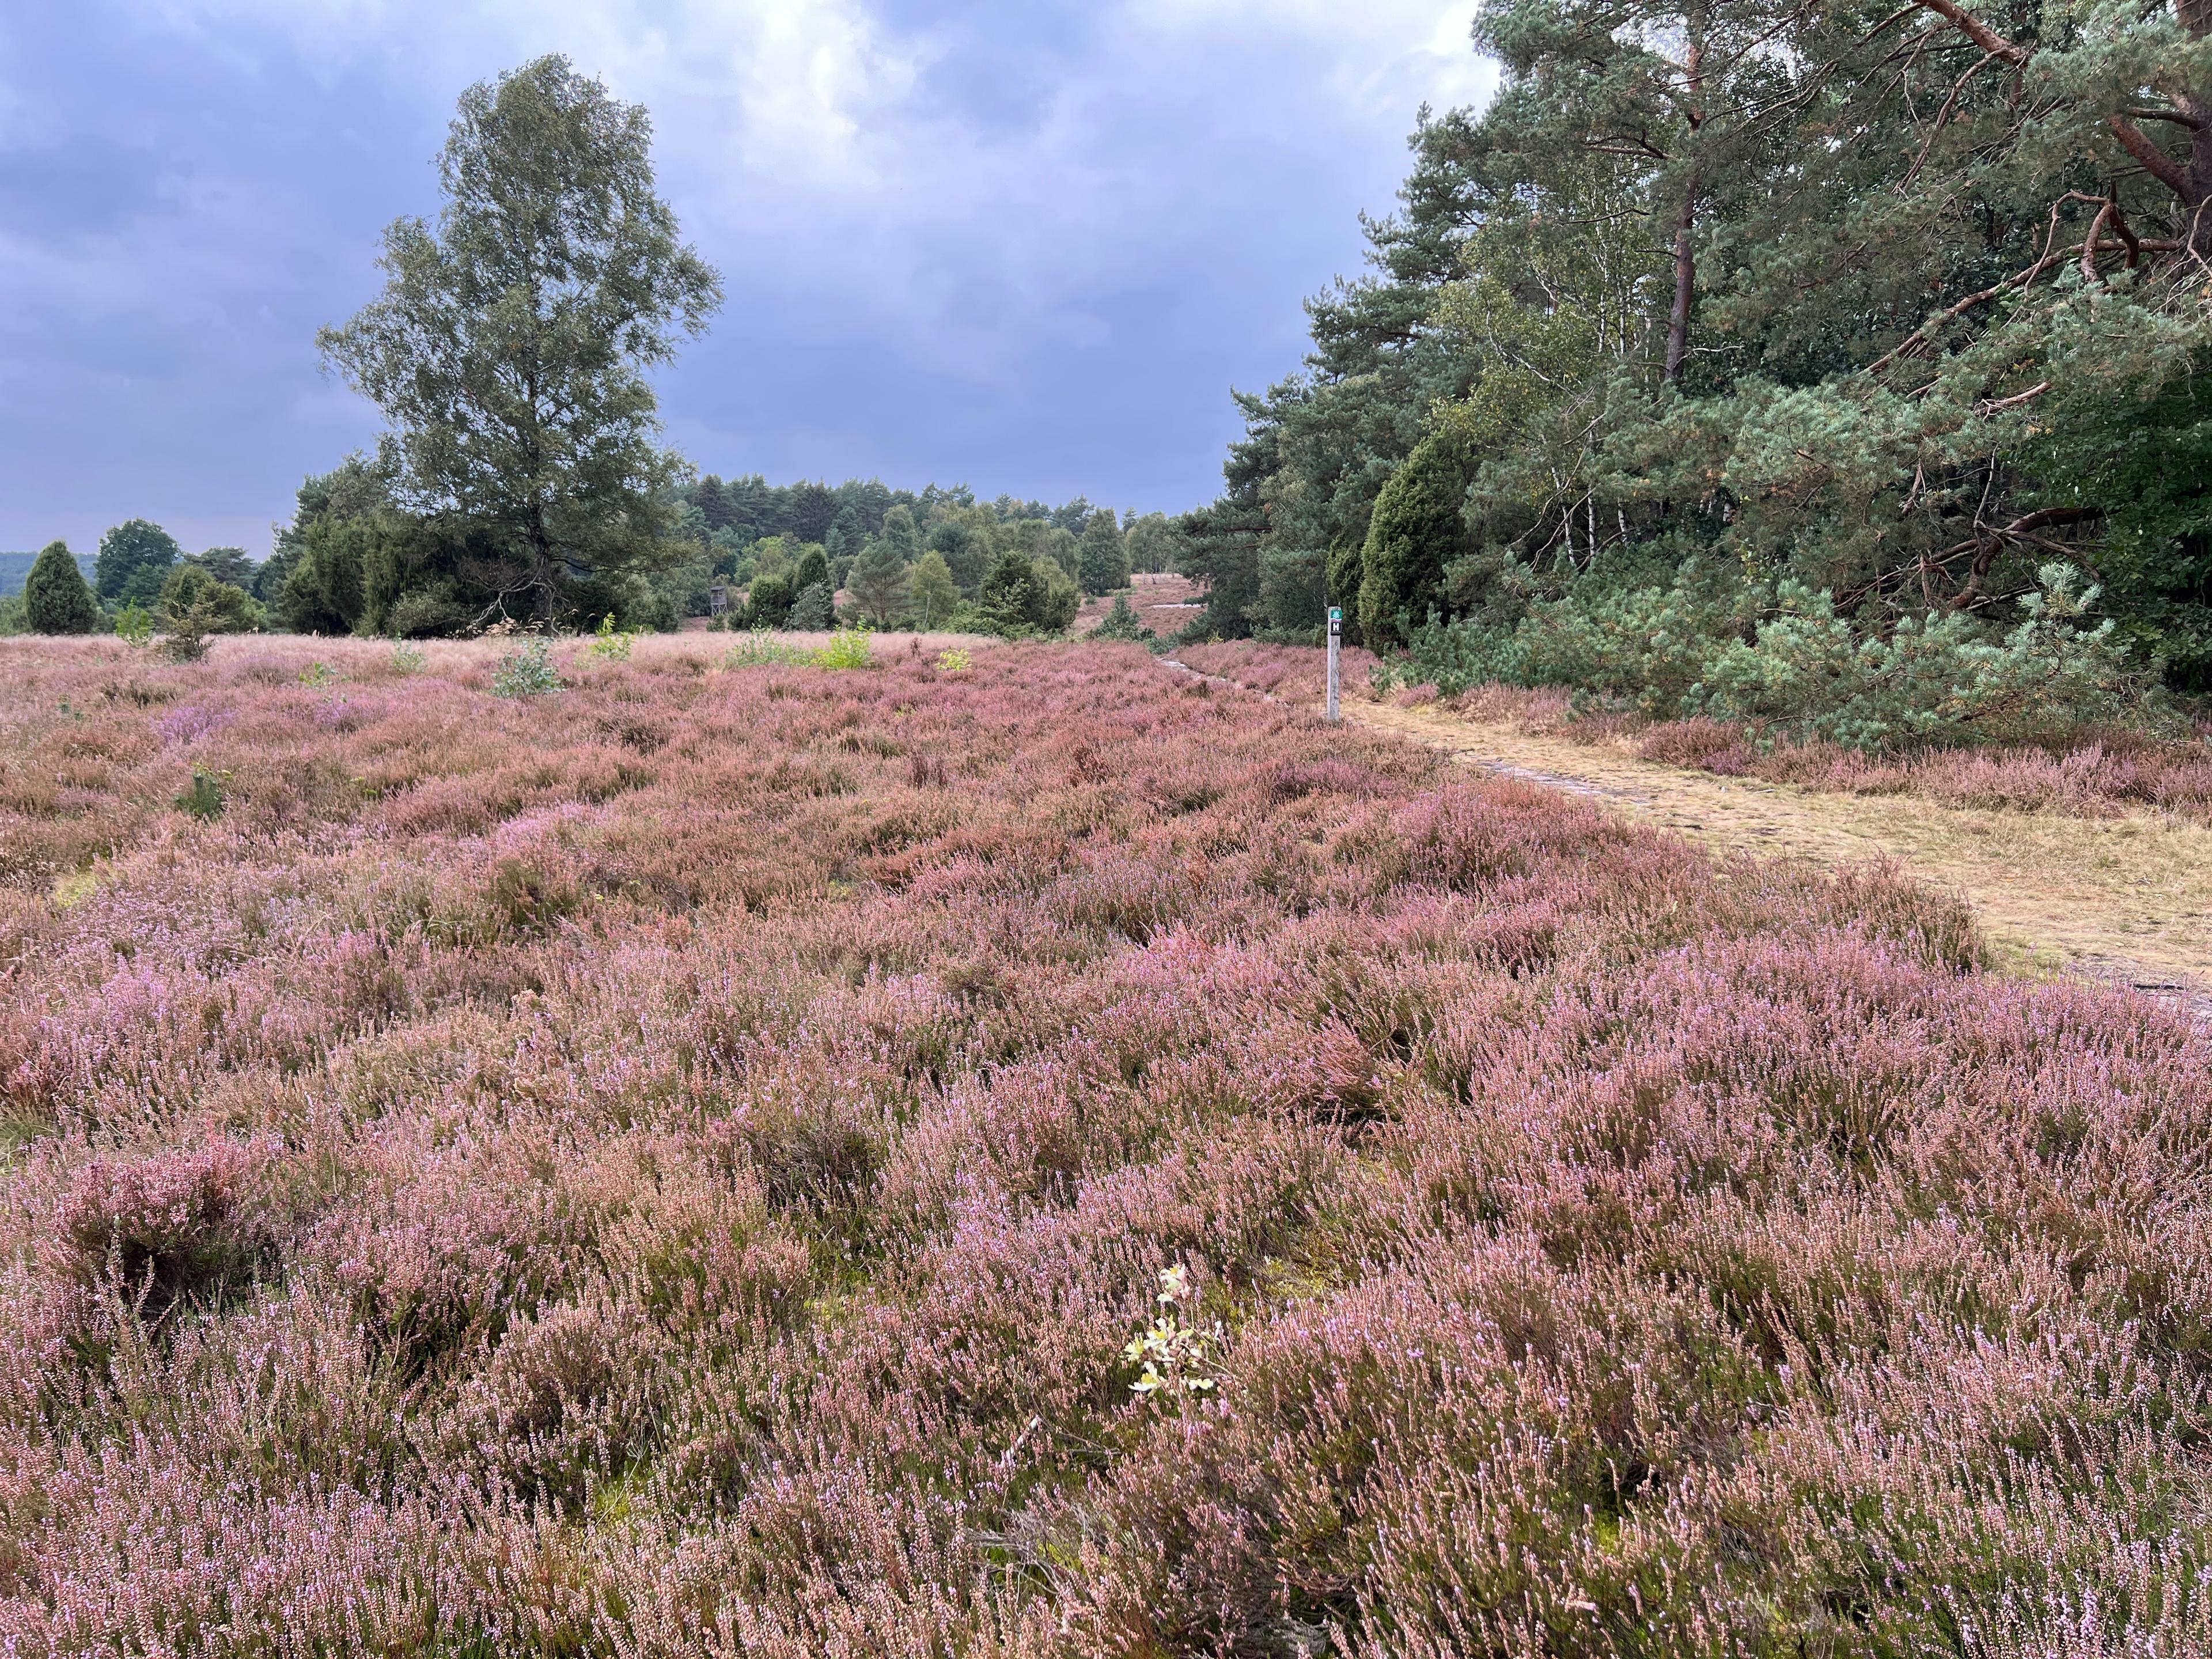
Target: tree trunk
{"points": [[1686, 225], [2196, 195], [1686, 281], [545, 596]]}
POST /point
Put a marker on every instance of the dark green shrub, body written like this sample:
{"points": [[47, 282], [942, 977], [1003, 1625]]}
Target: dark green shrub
{"points": [[56, 598], [193, 594], [1121, 623], [768, 605], [1008, 595], [205, 796], [811, 608], [1419, 527], [1022, 597]]}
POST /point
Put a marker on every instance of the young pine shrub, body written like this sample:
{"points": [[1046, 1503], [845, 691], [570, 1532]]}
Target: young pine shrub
{"points": [[205, 796]]}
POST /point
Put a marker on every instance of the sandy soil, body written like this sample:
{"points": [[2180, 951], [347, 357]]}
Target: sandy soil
{"points": [[2123, 898]]}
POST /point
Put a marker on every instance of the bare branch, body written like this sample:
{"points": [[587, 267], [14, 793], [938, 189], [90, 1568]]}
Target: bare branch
{"points": [[2096, 235], [1942, 117], [1911, 342], [1892, 20], [2017, 397]]}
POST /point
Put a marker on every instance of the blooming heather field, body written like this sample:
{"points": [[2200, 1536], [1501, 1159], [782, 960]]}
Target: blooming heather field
{"points": [[1054, 1159], [2104, 773]]}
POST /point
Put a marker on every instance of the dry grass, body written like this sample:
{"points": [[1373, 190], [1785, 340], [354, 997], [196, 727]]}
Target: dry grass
{"points": [[2119, 895]]}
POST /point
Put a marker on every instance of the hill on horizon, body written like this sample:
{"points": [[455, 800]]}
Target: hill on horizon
{"points": [[15, 570]]}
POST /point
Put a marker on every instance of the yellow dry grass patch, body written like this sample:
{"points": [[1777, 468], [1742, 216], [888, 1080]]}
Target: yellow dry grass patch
{"points": [[74, 887], [2124, 897]]}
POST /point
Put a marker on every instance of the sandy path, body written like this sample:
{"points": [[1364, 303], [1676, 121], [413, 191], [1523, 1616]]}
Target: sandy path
{"points": [[2123, 898]]}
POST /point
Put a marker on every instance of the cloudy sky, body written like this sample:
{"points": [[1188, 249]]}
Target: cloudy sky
{"points": [[1028, 245]]}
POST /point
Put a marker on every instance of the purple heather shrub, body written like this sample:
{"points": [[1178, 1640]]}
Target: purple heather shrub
{"points": [[689, 1166], [191, 723]]}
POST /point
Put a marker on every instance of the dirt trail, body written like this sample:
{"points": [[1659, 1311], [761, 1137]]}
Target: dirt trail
{"points": [[2122, 898], [2126, 899]]}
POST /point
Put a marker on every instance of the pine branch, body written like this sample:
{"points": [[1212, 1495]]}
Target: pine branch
{"points": [[2155, 160], [1978, 32]]}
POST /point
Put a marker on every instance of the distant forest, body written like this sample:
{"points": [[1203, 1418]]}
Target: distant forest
{"points": [[352, 562], [745, 551]]}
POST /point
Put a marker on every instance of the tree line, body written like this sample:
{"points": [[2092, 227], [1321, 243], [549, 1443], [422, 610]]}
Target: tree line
{"points": [[1860, 322], [142, 580], [940, 558]]}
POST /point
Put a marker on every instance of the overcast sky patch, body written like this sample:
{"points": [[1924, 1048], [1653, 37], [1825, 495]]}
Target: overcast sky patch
{"points": [[1026, 247]]}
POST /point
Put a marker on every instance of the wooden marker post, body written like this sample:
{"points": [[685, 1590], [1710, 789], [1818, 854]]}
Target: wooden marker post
{"points": [[1335, 639]]}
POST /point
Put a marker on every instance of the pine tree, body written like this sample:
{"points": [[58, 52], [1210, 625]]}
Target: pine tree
{"points": [[56, 600], [812, 609], [900, 535], [813, 509], [965, 552], [1009, 594], [876, 583]]}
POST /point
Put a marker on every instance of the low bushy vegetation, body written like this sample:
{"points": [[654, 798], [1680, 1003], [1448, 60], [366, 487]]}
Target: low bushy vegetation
{"points": [[1805, 672], [1048, 1158]]}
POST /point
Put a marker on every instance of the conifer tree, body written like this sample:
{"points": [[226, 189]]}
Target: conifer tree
{"points": [[900, 535], [56, 598], [1416, 531], [965, 552], [877, 584]]}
